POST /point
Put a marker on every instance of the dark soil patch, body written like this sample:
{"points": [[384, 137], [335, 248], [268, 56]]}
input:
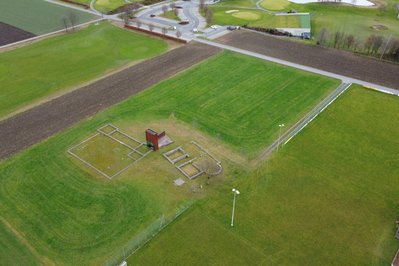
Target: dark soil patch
{"points": [[331, 60], [43, 121], [11, 34]]}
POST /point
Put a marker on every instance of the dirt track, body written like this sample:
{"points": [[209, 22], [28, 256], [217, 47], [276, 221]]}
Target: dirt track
{"points": [[10, 34], [338, 62], [41, 122]]}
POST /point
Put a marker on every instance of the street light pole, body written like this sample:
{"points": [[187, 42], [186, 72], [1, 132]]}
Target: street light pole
{"points": [[279, 135], [235, 193]]}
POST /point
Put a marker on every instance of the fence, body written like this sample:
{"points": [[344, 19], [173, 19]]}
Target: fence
{"points": [[145, 236]]}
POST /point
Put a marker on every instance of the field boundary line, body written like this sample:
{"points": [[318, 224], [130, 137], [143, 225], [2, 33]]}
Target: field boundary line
{"points": [[47, 34], [344, 79], [108, 135], [25, 242], [150, 234], [304, 121]]}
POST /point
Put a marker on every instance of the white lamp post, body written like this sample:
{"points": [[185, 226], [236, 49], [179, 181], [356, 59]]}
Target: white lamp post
{"points": [[235, 193], [279, 135]]}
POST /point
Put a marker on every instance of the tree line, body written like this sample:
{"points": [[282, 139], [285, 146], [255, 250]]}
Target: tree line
{"points": [[374, 45]]}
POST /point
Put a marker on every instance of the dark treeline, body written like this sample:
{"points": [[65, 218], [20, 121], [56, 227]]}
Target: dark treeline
{"points": [[375, 45]]}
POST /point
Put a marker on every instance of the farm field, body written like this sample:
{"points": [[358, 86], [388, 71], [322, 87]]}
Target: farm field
{"points": [[68, 60], [47, 195], [10, 34], [38, 16], [331, 60], [329, 195], [351, 20]]}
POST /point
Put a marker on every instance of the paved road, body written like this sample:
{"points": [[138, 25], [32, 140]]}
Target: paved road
{"points": [[330, 62], [45, 120], [343, 78]]}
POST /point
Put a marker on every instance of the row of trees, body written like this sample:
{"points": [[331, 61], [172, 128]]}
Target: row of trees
{"points": [[374, 45], [151, 28], [70, 20], [204, 9]]}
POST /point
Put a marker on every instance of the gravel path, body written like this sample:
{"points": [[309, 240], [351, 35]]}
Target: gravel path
{"points": [[330, 60], [43, 121]]}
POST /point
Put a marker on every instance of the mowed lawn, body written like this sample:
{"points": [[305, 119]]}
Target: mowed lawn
{"points": [[71, 217], [332, 16], [39, 16], [223, 15], [238, 99], [329, 197], [32, 73], [108, 5]]}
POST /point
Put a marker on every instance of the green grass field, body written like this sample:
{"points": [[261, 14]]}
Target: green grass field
{"points": [[170, 15], [32, 73], [71, 215], [329, 197], [351, 20], [254, 18], [275, 4], [38, 16], [108, 5]]}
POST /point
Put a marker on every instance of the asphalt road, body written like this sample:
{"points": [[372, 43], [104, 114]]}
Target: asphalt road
{"points": [[45, 120], [334, 63], [343, 78]]}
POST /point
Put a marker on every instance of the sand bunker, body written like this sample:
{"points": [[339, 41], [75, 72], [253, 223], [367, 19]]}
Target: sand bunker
{"points": [[232, 11]]}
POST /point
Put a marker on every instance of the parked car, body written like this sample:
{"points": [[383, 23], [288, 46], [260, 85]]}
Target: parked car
{"points": [[233, 27], [214, 27]]}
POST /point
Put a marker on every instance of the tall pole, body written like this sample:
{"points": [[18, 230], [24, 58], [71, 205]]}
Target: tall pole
{"points": [[279, 135], [235, 193]]}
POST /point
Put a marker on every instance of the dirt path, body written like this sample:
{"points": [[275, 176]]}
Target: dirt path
{"points": [[331, 60], [43, 121]]}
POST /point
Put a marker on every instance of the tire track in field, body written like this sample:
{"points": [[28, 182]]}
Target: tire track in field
{"points": [[36, 124]]}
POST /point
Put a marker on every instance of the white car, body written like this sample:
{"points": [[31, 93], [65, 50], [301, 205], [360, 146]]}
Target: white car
{"points": [[195, 30], [214, 27]]}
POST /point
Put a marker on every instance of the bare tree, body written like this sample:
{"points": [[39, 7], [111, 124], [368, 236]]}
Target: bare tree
{"points": [[138, 23], [209, 16], [73, 18], [172, 5], [349, 41], [377, 43], [205, 9], [64, 21], [164, 8], [176, 12], [164, 31], [178, 34], [202, 4], [323, 37], [338, 37], [151, 27], [126, 17], [368, 43]]}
